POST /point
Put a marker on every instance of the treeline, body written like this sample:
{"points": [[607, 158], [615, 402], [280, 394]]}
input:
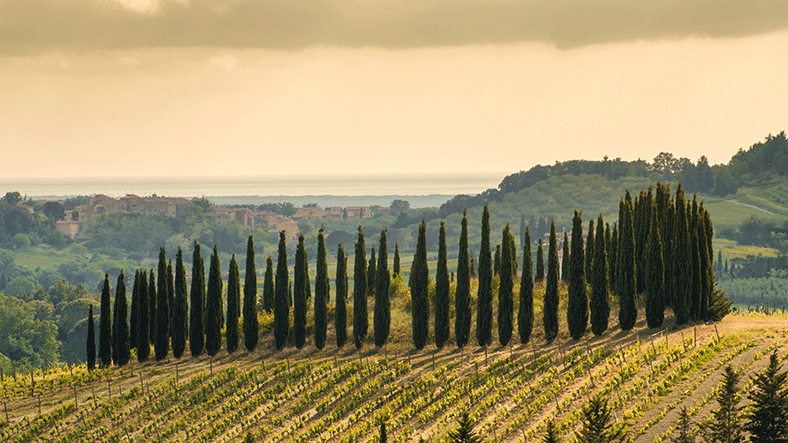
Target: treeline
{"points": [[660, 246]]}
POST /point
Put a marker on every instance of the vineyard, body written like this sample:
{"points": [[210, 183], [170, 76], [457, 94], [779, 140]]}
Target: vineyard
{"points": [[342, 396]]}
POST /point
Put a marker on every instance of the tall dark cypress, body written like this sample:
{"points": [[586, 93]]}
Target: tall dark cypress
{"points": [[105, 327], [372, 273], [170, 293], [472, 268], [120, 327], [382, 303], [577, 302], [506, 290], [91, 342], [497, 260], [213, 306], [196, 304], [321, 293], [598, 306], [681, 255], [152, 307], [612, 260], [655, 275], [180, 308], [565, 259], [484, 296], [589, 253], [162, 344], [340, 310], [281, 303], [462, 296], [692, 218], [442, 301], [233, 301], [627, 314], [360, 316], [525, 312], [143, 320], [300, 278], [550, 314], [251, 326], [522, 230], [135, 306], [539, 278], [419, 290], [269, 290], [707, 267], [396, 266]]}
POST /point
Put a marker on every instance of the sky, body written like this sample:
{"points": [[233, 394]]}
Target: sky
{"points": [[107, 88]]}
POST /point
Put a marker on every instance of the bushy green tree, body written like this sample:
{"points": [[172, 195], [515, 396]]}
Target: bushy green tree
{"points": [[550, 311], [525, 313], [506, 290], [382, 303], [360, 316], [143, 320], [655, 274], [462, 296], [196, 304], [105, 326], [552, 434], [233, 300], [627, 313], [419, 289], [681, 254], [91, 341], [340, 315], [269, 290], [442, 299], [180, 314], [598, 305], [213, 306], [767, 420], [281, 303], [577, 304], [464, 432], [321, 293], [725, 421], [597, 424], [484, 296]]}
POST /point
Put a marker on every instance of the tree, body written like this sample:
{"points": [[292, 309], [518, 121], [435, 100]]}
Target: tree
{"points": [[340, 310], [612, 259], [12, 198], [170, 295], [683, 428], [269, 290], [724, 425], [300, 278], [577, 304], [213, 306], [152, 308], [321, 292], [565, 260], [598, 304], [539, 278], [552, 434], [281, 303], [464, 432], [597, 425], [525, 313], [419, 289], [120, 327], [372, 273], [497, 260], [396, 267], [143, 320], [589, 253], [442, 300], [180, 308], [506, 290], [105, 327], [135, 306], [233, 301], [682, 280], [399, 206], [767, 420], [655, 275], [251, 326], [383, 438], [360, 318], [382, 304], [550, 314], [162, 344], [462, 296], [91, 342], [627, 313], [196, 303], [484, 295]]}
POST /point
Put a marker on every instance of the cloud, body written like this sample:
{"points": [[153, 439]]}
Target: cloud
{"points": [[29, 26], [226, 62]]}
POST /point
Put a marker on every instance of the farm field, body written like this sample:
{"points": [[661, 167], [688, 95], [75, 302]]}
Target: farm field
{"points": [[341, 396]]}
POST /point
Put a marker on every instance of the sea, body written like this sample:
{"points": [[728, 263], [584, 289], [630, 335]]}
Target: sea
{"points": [[363, 188]]}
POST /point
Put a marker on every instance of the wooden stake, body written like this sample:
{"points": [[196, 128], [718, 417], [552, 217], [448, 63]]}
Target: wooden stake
{"points": [[683, 345], [695, 337], [717, 331], [485, 356], [76, 404], [39, 404], [433, 361], [142, 385], [5, 405], [211, 359]]}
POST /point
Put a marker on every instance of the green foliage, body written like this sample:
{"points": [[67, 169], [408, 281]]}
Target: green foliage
{"points": [[539, 278], [550, 310], [464, 432], [768, 411], [180, 314], [105, 327], [683, 427], [120, 327], [566, 259], [91, 341], [161, 345], [598, 305], [152, 307], [281, 303], [340, 316], [196, 303], [300, 277], [680, 254], [597, 425], [724, 425], [655, 275], [382, 318], [462, 299], [506, 289], [419, 290], [372, 273], [269, 291], [525, 312], [213, 306], [484, 294], [233, 301], [577, 304], [321, 293], [626, 275], [25, 339], [360, 316], [442, 296], [552, 434], [396, 266], [142, 341]]}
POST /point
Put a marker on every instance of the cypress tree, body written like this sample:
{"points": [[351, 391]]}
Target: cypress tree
{"points": [[213, 306], [627, 313], [472, 269], [513, 257], [251, 326], [91, 342], [299, 294], [135, 305], [707, 266], [233, 301], [180, 308], [396, 267], [522, 231], [152, 308], [681, 255], [382, 304], [143, 320], [462, 297], [525, 313], [269, 291], [539, 263], [170, 295], [612, 260], [321, 293], [419, 290], [196, 304], [484, 295], [550, 314], [565, 260], [281, 303], [441, 292], [372, 273], [695, 265], [577, 304], [655, 274], [598, 305], [120, 327], [642, 220], [769, 405], [105, 327], [505, 290], [724, 425], [360, 318], [589, 248], [340, 316], [497, 260], [162, 344]]}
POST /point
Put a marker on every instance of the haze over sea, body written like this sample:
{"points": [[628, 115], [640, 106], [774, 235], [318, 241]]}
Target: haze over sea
{"points": [[264, 188]]}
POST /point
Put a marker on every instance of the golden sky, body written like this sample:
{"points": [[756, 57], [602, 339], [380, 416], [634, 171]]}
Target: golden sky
{"points": [[256, 87]]}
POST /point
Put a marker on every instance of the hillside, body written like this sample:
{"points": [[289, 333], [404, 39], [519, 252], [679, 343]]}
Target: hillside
{"points": [[340, 396]]}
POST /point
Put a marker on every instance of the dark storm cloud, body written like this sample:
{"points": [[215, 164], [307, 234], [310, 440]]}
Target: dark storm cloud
{"points": [[30, 26]]}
